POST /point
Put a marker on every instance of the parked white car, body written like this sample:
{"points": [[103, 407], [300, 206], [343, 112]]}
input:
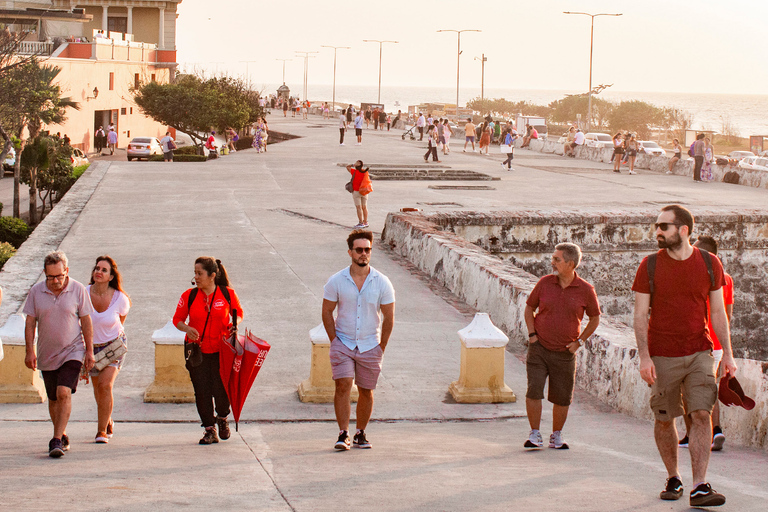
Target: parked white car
{"points": [[738, 155], [598, 140], [144, 147], [78, 158], [651, 148], [10, 161], [755, 163]]}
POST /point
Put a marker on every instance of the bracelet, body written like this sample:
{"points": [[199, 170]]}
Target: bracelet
{"points": [[532, 334]]}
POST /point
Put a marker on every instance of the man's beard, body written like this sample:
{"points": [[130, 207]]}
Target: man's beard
{"points": [[359, 264], [673, 243]]}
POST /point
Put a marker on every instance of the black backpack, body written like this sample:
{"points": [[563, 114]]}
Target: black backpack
{"points": [[652, 268]]}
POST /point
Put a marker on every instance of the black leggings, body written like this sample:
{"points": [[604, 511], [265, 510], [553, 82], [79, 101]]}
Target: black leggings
{"points": [[341, 135], [508, 161], [209, 388], [432, 150]]}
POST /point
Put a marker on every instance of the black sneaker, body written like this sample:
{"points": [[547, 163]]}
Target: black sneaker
{"points": [[673, 490], [65, 442], [718, 439], [54, 448], [360, 441], [223, 425], [210, 436], [343, 442], [683, 443], [705, 496]]}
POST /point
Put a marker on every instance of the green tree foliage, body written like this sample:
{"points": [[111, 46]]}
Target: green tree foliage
{"points": [[6, 251], [636, 116], [195, 105], [568, 110], [29, 99], [47, 169], [501, 107]]}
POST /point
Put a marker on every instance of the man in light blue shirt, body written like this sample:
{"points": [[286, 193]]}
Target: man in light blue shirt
{"points": [[358, 336], [359, 128]]}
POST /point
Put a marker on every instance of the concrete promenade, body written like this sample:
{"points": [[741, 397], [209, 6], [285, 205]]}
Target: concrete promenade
{"points": [[278, 222]]}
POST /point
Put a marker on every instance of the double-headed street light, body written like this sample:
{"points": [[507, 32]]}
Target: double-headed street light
{"points": [[334, 69], [381, 44], [482, 60], [458, 61], [591, 39], [284, 68], [307, 56]]}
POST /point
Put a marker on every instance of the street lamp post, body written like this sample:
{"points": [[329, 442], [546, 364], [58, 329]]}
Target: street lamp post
{"points": [[283, 68], [591, 40], [381, 44], [482, 60], [458, 62], [334, 69], [247, 72], [306, 56]]}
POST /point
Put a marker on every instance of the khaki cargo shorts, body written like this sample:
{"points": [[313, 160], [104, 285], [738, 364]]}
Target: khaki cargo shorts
{"points": [[692, 377]]}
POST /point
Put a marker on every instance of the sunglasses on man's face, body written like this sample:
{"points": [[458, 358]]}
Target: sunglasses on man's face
{"points": [[665, 225], [361, 250]]}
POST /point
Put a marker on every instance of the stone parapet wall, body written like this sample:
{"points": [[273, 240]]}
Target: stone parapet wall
{"points": [[607, 368], [684, 167]]}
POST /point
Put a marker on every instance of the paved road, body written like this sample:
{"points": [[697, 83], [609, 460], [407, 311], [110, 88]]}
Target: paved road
{"points": [[278, 222]]}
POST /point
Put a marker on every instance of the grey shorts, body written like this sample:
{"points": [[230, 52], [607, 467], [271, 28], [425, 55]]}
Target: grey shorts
{"points": [[559, 367], [364, 367], [692, 377]]}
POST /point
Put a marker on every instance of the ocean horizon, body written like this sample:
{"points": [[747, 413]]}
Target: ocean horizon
{"points": [[746, 112]]}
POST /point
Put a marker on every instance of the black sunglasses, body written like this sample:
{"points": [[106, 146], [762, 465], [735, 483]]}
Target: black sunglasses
{"points": [[361, 250], [665, 225]]}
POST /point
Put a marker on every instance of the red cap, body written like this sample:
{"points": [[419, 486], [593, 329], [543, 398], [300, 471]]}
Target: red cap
{"points": [[730, 393]]}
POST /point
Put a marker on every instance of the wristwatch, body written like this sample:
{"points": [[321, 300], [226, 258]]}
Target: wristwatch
{"points": [[532, 334], [580, 342]]}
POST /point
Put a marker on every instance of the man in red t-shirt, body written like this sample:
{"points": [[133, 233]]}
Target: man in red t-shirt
{"points": [[709, 244], [675, 347], [553, 314]]}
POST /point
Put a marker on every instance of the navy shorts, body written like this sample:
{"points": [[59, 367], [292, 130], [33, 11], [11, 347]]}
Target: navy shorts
{"points": [[66, 375]]}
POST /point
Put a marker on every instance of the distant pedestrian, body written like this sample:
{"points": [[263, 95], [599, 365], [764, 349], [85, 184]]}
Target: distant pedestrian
{"points": [[430, 120], [698, 157], [569, 135], [553, 315], [359, 128], [264, 134], [492, 128], [709, 157], [397, 119], [361, 187], [112, 141], [110, 308], [578, 140], [485, 137], [420, 124], [168, 145], [375, 116], [678, 153], [359, 337], [204, 315], [66, 140], [527, 136], [367, 117], [100, 139], [342, 126], [447, 133], [382, 119], [389, 121], [509, 138], [469, 134], [232, 138], [618, 151], [350, 112], [674, 346], [285, 108], [58, 310], [633, 146], [439, 128], [431, 144]]}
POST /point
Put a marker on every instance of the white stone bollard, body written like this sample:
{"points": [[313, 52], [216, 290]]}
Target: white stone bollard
{"points": [[319, 387], [18, 384], [481, 377], [171, 384]]}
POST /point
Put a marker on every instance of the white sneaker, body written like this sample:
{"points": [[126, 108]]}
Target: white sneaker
{"points": [[632, 172], [556, 441], [342, 144], [534, 440]]}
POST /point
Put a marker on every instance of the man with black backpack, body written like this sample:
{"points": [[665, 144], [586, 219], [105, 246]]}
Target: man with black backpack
{"points": [[675, 346]]}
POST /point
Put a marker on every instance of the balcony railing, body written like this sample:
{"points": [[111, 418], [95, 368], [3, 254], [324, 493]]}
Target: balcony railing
{"points": [[35, 48]]}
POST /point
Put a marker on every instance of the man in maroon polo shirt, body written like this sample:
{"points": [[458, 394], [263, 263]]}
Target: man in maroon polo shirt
{"points": [[675, 347], [553, 314]]}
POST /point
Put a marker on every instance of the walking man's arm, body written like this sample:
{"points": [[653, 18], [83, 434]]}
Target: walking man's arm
{"points": [[642, 306], [29, 338], [388, 310], [87, 327], [586, 333], [720, 325], [328, 322], [529, 323]]}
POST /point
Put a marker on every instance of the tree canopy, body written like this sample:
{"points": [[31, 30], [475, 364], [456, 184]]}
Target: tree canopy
{"points": [[195, 105]]}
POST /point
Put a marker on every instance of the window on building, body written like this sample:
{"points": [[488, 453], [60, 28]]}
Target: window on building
{"points": [[130, 111], [115, 24], [136, 81], [153, 77], [122, 111], [128, 134], [111, 81]]}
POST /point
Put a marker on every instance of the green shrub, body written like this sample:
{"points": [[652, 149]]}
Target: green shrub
{"points": [[244, 143], [6, 251], [180, 158], [79, 170], [186, 150], [14, 231], [1, 209]]}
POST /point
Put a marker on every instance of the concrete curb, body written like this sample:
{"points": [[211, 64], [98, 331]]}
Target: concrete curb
{"points": [[23, 270]]}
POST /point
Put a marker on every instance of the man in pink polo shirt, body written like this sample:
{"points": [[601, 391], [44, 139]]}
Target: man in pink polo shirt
{"points": [[553, 315]]}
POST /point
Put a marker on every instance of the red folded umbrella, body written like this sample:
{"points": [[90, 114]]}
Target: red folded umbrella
{"points": [[240, 359]]}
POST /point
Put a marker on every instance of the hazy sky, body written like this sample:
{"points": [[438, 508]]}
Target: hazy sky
{"points": [[702, 46]]}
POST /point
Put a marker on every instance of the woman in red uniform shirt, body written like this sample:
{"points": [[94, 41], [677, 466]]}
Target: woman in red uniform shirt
{"points": [[209, 321]]}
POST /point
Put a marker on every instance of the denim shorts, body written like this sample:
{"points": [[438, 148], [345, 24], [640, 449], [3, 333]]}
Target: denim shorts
{"points": [[117, 364]]}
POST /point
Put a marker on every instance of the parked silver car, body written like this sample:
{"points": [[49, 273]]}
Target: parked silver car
{"points": [[144, 147]]}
